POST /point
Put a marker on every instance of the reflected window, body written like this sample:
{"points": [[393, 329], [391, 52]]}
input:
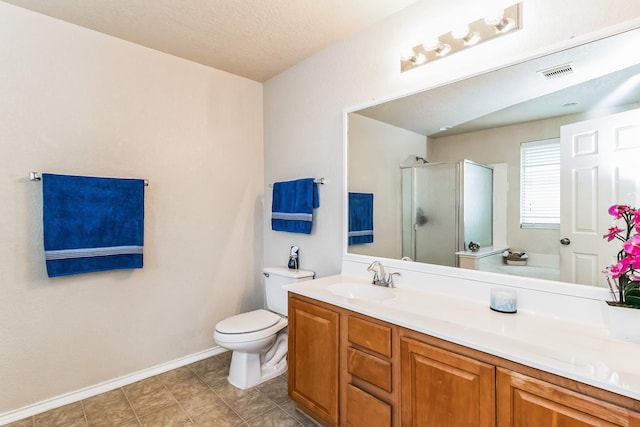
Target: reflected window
{"points": [[540, 184]]}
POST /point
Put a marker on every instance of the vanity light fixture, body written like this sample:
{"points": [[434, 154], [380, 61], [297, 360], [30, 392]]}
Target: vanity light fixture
{"points": [[492, 25]]}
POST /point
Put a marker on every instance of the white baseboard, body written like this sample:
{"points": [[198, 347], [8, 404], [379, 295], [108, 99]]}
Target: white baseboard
{"points": [[78, 395]]}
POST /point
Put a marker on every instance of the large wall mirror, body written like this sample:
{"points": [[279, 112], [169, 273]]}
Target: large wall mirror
{"points": [[437, 170]]}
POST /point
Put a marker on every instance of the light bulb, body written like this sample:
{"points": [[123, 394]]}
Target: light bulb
{"points": [[407, 54], [497, 19], [443, 49], [431, 45], [460, 32], [494, 17], [505, 25], [419, 59], [463, 33], [437, 47]]}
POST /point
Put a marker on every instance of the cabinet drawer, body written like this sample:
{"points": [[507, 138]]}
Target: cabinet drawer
{"points": [[369, 368], [366, 410], [369, 335]]}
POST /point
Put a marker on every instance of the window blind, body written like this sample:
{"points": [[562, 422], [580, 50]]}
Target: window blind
{"points": [[540, 184]]}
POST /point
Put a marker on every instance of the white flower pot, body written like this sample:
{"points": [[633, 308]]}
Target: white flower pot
{"points": [[622, 322]]}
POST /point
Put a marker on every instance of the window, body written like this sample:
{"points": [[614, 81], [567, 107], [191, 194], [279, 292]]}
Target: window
{"points": [[540, 184]]}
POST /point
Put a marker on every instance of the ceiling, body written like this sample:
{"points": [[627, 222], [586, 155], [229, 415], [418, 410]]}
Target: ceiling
{"points": [[519, 93], [256, 39]]}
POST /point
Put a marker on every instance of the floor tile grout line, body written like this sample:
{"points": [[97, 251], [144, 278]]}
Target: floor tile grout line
{"points": [[219, 397], [130, 406], [84, 413], [176, 400]]}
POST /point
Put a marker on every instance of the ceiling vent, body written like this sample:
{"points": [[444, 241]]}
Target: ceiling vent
{"points": [[556, 72]]}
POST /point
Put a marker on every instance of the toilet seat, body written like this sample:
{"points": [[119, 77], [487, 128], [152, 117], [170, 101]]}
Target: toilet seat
{"points": [[247, 322], [249, 326]]}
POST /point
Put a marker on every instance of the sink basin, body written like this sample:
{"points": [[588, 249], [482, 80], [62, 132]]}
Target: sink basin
{"points": [[361, 291]]}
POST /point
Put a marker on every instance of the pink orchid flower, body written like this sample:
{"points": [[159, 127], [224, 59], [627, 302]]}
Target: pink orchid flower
{"points": [[617, 210], [632, 246], [613, 231], [618, 270], [613, 211]]}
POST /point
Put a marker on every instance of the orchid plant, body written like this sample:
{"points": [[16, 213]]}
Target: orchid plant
{"points": [[624, 276]]}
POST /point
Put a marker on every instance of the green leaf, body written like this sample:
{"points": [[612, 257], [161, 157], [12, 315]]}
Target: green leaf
{"points": [[633, 301]]}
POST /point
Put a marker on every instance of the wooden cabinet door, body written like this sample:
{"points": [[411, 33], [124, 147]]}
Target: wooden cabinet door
{"points": [[527, 402], [444, 389], [313, 359]]}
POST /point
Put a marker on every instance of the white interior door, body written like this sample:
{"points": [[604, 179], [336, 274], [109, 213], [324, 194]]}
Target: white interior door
{"points": [[600, 167]]}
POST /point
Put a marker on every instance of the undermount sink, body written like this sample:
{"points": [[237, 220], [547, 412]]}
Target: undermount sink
{"points": [[361, 291]]}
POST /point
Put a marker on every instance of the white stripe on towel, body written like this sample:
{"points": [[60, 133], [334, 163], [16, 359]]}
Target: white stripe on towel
{"points": [[292, 216], [92, 252], [361, 233]]}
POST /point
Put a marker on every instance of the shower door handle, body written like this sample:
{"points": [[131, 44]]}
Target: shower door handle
{"points": [[565, 241]]}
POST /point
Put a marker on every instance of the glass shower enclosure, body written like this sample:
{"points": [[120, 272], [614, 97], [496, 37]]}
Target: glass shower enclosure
{"points": [[444, 207]]}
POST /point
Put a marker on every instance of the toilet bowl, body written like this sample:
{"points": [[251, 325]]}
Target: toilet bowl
{"points": [[250, 335], [258, 338]]}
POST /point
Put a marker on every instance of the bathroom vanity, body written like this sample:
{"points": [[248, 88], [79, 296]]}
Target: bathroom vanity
{"points": [[361, 355]]}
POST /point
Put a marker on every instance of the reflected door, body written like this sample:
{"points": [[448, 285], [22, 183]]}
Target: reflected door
{"points": [[599, 168]]}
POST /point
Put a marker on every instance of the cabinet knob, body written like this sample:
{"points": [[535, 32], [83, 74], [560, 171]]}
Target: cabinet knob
{"points": [[565, 241]]}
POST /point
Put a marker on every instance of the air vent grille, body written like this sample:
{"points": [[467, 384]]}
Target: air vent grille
{"points": [[556, 72]]}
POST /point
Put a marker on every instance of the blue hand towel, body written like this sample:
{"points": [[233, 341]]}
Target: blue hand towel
{"points": [[360, 218], [92, 224], [292, 206]]}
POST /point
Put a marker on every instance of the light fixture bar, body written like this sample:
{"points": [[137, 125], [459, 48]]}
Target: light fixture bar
{"points": [[478, 31]]}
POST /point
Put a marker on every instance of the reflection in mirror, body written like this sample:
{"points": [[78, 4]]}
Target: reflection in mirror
{"points": [[593, 109], [447, 202]]}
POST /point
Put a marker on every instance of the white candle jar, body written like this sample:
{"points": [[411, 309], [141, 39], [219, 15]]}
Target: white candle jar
{"points": [[503, 300]]}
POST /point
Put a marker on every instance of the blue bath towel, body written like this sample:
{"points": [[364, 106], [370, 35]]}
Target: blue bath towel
{"points": [[293, 204], [92, 224], [360, 218]]}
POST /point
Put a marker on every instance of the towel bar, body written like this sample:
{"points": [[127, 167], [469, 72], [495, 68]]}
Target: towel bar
{"points": [[320, 181], [35, 176]]}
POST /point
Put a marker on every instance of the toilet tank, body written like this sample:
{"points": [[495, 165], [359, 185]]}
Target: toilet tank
{"points": [[274, 280]]}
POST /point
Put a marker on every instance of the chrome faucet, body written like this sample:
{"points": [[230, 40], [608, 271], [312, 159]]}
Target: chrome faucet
{"points": [[378, 272], [379, 276]]}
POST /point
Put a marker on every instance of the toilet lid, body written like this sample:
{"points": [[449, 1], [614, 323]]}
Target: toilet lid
{"points": [[247, 322]]}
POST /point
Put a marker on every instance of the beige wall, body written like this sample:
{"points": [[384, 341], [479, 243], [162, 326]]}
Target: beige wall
{"points": [[304, 105], [376, 150], [75, 101]]}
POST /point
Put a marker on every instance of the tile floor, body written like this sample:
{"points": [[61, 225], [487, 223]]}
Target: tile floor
{"points": [[193, 395]]}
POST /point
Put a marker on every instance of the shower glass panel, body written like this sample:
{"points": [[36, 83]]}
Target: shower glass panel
{"points": [[435, 196], [430, 212]]}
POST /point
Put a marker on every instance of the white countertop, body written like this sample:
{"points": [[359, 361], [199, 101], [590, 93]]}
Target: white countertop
{"points": [[573, 350]]}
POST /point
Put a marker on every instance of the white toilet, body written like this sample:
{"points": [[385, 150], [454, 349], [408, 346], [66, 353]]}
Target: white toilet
{"points": [[259, 338]]}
